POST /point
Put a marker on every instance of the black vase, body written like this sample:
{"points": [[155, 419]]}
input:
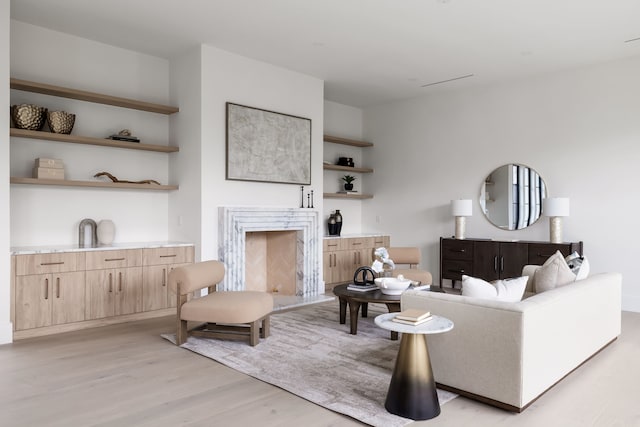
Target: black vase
{"points": [[333, 227], [338, 217]]}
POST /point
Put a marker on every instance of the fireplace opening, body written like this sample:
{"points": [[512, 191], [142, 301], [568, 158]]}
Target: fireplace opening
{"points": [[271, 261]]}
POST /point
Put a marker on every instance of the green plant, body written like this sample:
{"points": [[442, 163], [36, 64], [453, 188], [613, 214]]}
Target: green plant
{"points": [[348, 179]]}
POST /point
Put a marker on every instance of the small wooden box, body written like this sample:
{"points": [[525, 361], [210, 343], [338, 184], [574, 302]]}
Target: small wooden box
{"points": [[48, 173], [42, 162]]}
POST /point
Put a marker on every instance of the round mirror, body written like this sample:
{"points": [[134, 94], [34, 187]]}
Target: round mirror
{"points": [[511, 196]]}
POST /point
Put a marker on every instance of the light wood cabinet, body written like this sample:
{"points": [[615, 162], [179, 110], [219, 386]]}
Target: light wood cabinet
{"points": [[158, 263], [113, 292], [343, 256]]}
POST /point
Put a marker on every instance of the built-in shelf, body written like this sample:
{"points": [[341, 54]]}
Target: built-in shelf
{"points": [[101, 184], [82, 95], [86, 140], [346, 168], [347, 196], [345, 141]]}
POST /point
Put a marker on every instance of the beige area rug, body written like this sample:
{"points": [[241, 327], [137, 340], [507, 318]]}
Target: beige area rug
{"points": [[310, 354]]}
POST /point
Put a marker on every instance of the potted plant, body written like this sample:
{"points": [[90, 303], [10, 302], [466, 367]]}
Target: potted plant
{"points": [[348, 179]]}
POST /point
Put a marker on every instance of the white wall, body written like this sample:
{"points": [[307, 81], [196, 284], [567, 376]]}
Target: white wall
{"points": [[345, 122], [579, 129], [50, 215], [5, 288], [226, 77]]}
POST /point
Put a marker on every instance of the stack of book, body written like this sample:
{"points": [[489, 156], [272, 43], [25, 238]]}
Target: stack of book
{"points": [[362, 288], [413, 316]]}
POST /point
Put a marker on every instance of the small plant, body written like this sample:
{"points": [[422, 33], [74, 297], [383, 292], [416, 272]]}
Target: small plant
{"points": [[348, 179]]}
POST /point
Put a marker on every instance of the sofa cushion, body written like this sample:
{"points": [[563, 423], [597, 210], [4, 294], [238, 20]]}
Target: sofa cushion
{"points": [[504, 290], [554, 273]]}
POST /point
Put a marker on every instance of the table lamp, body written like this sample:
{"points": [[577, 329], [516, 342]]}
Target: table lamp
{"points": [[461, 209], [555, 208]]}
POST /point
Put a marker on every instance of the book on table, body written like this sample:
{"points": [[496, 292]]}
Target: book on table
{"points": [[413, 314], [362, 288], [413, 322]]}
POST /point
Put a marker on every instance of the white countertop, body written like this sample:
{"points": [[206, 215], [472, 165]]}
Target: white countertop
{"points": [[352, 236], [46, 249]]}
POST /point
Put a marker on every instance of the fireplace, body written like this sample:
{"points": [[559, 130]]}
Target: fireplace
{"points": [[283, 247]]}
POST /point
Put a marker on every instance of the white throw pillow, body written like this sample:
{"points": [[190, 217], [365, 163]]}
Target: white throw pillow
{"points": [[554, 273], [579, 265], [504, 290]]}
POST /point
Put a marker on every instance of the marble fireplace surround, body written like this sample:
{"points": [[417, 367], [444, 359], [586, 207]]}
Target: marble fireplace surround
{"points": [[234, 222]]}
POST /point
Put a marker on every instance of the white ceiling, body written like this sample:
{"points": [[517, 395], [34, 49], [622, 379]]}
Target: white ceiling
{"points": [[367, 51]]}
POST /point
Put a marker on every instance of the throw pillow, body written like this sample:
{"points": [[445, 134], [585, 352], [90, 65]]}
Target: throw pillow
{"points": [[579, 265], [504, 290], [554, 273]]}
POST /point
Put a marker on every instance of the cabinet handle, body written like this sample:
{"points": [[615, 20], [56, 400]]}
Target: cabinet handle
{"points": [[544, 255], [57, 287], [52, 263], [501, 264], [459, 250], [168, 256], [457, 271], [46, 288], [120, 282], [110, 282], [164, 275], [335, 260], [356, 243], [114, 259], [495, 263], [332, 245]]}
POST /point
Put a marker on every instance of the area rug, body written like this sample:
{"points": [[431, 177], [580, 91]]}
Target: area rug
{"points": [[310, 354]]}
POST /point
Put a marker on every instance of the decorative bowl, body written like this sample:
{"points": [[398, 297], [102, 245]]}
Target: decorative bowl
{"points": [[28, 116], [392, 285], [60, 121]]}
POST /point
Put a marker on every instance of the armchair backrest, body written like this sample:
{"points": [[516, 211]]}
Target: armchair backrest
{"points": [[196, 276], [402, 255]]}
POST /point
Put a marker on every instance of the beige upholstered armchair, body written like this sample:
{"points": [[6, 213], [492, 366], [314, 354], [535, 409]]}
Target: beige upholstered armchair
{"points": [[408, 258], [235, 315]]}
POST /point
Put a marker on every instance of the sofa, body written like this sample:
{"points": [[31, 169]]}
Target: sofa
{"points": [[508, 354]]}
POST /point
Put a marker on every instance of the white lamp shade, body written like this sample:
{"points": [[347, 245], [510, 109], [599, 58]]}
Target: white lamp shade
{"points": [[555, 206], [462, 207]]}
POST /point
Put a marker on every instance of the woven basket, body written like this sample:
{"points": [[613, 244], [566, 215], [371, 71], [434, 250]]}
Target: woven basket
{"points": [[60, 121], [28, 116]]}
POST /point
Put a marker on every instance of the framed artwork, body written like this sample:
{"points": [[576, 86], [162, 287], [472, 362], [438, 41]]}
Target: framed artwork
{"points": [[266, 146]]}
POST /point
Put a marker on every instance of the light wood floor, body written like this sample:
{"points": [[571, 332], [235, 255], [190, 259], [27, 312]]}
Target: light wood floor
{"points": [[126, 375]]}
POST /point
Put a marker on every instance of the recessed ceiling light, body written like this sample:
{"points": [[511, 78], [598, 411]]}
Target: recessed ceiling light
{"points": [[448, 80]]}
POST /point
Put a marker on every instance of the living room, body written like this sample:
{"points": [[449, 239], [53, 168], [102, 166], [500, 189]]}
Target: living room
{"points": [[575, 125]]}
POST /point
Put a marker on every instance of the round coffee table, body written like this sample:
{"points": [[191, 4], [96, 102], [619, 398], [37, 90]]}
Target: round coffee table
{"points": [[412, 390], [357, 299]]}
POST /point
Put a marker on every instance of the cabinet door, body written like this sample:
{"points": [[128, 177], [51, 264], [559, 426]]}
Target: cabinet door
{"points": [[513, 256], [33, 301], [128, 290], [154, 287], [100, 294], [68, 297], [486, 260], [331, 267]]}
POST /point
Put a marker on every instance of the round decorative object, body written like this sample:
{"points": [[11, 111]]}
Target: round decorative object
{"points": [[60, 121], [392, 285], [106, 232], [364, 276], [28, 116]]}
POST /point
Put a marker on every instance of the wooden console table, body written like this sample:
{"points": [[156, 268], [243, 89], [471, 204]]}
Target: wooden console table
{"points": [[494, 259]]}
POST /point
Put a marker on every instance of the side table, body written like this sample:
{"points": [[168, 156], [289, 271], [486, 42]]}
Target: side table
{"points": [[412, 390]]}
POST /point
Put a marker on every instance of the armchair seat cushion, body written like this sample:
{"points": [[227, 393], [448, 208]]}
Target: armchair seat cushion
{"points": [[228, 307]]}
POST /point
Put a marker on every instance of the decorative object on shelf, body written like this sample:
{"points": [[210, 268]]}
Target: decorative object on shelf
{"points": [[115, 179], [93, 227], [461, 209], [338, 216], [311, 200], [266, 146], [346, 161], [382, 264], [124, 135], [555, 208], [348, 180], [106, 232], [333, 227], [364, 276], [302, 196], [28, 116], [48, 168], [60, 121]]}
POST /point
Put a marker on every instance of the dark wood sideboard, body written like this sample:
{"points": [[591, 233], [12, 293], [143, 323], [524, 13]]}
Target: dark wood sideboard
{"points": [[493, 259]]}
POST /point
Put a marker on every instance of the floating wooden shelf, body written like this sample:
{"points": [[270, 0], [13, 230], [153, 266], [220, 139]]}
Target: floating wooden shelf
{"points": [[354, 196], [76, 139], [90, 97], [101, 184], [345, 141], [346, 168]]}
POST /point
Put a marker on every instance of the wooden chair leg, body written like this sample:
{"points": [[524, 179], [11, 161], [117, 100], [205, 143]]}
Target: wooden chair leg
{"points": [[266, 328], [181, 334], [254, 332]]}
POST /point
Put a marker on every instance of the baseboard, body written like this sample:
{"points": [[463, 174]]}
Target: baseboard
{"points": [[6, 332]]}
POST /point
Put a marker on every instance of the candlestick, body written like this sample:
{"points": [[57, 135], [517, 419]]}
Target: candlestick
{"points": [[302, 196], [308, 196], [312, 198]]}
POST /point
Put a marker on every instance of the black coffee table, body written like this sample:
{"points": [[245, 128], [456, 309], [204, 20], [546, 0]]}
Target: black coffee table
{"points": [[356, 299]]}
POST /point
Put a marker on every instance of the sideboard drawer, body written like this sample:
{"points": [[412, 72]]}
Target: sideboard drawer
{"points": [[540, 252], [329, 245], [358, 243], [454, 269], [457, 249], [55, 262], [100, 260], [164, 256]]}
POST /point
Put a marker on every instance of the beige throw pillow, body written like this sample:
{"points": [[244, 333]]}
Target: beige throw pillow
{"points": [[554, 273], [503, 290]]}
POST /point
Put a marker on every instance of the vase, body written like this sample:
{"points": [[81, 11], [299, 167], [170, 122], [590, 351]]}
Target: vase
{"points": [[338, 217], [333, 227], [106, 232], [348, 187]]}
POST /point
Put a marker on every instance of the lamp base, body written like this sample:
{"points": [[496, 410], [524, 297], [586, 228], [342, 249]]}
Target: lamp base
{"points": [[460, 227], [555, 229]]}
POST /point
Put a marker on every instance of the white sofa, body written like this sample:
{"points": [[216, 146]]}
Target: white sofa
{"points": [[509, 353]]}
